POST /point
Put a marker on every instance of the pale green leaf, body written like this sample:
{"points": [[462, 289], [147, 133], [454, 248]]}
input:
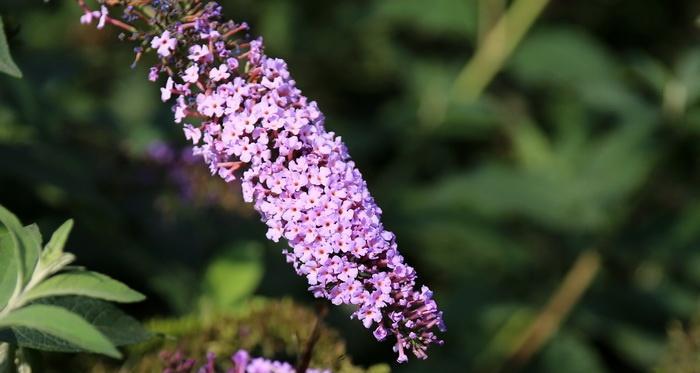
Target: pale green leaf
{"points": [[26, 247], [8, 269], [57, 322], [85, 283], [33, 249], [34, 232], [120, 328], [55, 246], [235, 274], [7, 65]]}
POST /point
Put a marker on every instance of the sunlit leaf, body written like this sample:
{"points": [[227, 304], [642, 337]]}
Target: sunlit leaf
{"points": [[85, 283], [7, 65], [8, 269], [235, 274], [50, 322], [34, 233], [26, 246], [120, 328], [55, 246]]}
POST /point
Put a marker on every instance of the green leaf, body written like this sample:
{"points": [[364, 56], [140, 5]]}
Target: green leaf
{"points": [[639, 347], [24, 241], [52, 322], [174, 285], [576, 185], [562, 56], [54, 248], [86, 283], [53, 259], [8, 269], [235, 274], [567, 350], [120, 328], [34, 232], [31, 255], [688, 70], [450, 17], [7, 65]]}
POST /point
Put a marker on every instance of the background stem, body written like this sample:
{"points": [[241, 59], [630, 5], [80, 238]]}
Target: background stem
{"points": [[497, 46]]}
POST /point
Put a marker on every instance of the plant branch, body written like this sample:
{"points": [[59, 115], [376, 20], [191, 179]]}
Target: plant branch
{"points": [[577, 280], [498, 44], [305, 358]]}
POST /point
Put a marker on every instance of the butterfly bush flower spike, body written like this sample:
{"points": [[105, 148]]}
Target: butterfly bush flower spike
{"points": [[255, 125]]}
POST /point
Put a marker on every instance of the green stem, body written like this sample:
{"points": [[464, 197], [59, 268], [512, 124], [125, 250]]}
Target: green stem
{"points": [[497, 47], [489, 12]]}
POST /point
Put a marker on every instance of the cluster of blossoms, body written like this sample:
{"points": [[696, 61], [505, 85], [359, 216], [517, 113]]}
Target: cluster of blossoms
{"points": [[245, 116], [242, 362]]}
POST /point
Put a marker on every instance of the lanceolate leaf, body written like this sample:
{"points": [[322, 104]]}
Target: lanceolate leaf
{"points": [[52, 322], [120, 328], [7, 65], [8, 269], [55, 246], [26, 247], [35, 234], [89, 284], [33, 250]]}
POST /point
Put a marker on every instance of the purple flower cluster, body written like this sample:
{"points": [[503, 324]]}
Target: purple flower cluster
{"points": [[241, 361], [246, 117]]}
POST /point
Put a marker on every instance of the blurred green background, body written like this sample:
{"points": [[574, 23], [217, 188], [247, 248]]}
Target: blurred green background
{"points": [[583, 152]]}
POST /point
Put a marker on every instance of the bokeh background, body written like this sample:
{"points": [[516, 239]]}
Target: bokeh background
{"points": [[555, 212]]}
